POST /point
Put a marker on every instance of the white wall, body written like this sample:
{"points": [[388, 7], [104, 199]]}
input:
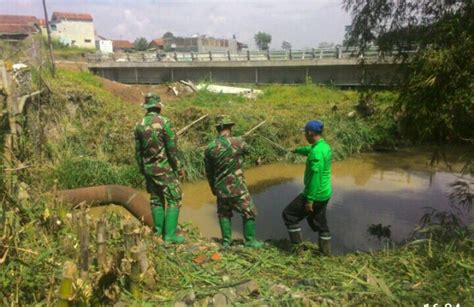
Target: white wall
{"points": [[104, 46], [74, 33]]}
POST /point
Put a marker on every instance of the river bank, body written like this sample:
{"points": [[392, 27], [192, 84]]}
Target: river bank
{"points": [[81, 135]]}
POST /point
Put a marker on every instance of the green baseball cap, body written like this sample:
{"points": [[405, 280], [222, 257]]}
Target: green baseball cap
{"points": [[152, 100], [224, 120]]}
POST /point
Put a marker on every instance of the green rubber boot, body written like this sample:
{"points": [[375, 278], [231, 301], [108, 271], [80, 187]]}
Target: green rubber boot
{"points": [[158, 219], [249, 234], [226, 231], [171, 222]]}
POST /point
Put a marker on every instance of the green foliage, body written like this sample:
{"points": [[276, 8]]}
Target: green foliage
{"points": [[285, 45], [262, 40], [140, 44], [86, 172], [436, 102], [436, 94], [168, 35]]}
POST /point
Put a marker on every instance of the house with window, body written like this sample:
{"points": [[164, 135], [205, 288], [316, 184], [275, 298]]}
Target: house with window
{"points": [[73, 29]]}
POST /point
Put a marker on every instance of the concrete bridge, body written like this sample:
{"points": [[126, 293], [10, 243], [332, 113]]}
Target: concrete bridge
{"points": [[337, 68]]}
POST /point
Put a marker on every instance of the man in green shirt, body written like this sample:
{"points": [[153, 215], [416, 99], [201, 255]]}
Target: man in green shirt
{"points": [[312, 203]]}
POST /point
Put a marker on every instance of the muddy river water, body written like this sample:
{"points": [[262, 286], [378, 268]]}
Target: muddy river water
{"points": [[392, 189]]}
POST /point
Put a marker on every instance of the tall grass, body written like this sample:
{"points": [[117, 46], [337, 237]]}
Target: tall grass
{"points": [[99, 126]]}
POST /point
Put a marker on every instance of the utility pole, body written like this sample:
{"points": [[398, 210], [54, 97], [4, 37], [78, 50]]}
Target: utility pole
{"points": [[50, 43]]}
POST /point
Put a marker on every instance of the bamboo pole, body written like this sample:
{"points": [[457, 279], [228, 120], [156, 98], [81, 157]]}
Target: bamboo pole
{"points": [[129, 237], [66, 290], [183, 130], [135, 272], [275, 144], [101, 244], [253, 129], [10, 139], [143, 256], [83, 245]]}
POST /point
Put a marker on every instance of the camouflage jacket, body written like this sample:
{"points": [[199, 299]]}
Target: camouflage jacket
{"points": [[156, 147], [223, 162]]}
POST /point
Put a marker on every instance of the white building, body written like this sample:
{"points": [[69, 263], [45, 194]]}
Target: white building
{"points": [[73, 29], [103, 45]]}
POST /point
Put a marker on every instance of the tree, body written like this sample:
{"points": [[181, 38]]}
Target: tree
{"points": [[168, 35], [434, 40], [140, 44], [285, 45], [263, 40]]}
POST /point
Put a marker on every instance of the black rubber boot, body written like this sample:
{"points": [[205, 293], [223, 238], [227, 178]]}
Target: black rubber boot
{"points": [[325, 243], [294, 231]]}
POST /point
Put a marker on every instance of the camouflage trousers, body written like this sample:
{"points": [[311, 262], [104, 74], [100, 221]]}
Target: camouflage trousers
{"points": [[162, 193], [242, 204]]}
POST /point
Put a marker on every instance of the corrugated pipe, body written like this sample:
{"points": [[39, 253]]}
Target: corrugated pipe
{"points": [[126, 197]]}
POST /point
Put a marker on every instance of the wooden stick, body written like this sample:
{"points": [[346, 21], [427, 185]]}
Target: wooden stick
{"points": [[275, 144], [101, 243], [84, 245], [183, 130], [253, 129]]}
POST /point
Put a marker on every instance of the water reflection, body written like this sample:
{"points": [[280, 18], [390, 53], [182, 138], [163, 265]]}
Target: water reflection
{"points": [[368, 189]]}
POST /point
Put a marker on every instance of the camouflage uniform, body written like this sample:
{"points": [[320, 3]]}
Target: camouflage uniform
{"points": [[223, 162], [156, 154]]}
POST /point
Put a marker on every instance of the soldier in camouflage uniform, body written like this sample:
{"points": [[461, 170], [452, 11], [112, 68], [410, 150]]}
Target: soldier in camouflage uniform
{"points": [[156, 154], [223, 162]]}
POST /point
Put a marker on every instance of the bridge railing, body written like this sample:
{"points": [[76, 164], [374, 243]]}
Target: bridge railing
{"points": [[248, 55]]}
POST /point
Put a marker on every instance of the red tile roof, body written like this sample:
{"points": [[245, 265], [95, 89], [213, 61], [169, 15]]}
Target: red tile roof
{"points": [[157, 42], [122, 44], [71, 16], [16, 29], [18, 20]]}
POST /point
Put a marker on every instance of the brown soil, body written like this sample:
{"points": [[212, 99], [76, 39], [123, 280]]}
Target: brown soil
{"points": [[135, 93]]}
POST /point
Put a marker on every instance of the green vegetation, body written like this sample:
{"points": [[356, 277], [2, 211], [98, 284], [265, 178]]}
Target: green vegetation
{"points": [[90, 140], [436, 266], [66, 52], [87, 139], [436, 101], [262, 40]]}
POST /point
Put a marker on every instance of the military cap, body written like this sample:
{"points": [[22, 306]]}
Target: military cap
{"points": [[152, 100], [224, 120]]}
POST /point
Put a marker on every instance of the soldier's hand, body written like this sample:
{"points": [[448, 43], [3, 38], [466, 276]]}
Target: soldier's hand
{"points": [[309, 207]]}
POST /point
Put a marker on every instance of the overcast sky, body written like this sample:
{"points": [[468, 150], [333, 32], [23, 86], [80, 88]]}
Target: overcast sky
{"points": [[303, 23]]}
